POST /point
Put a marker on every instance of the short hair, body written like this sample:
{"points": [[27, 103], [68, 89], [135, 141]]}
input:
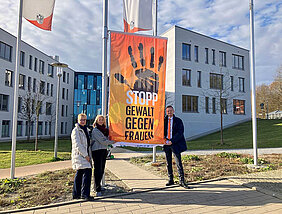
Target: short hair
{"points": [[169, 107], [96, 119], [81, 115]]}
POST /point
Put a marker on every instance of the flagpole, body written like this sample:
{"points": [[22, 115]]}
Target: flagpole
{"points": [[155, 34], [253, 85], [16, 92]]}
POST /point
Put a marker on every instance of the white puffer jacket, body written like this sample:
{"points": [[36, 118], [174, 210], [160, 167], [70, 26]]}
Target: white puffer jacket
{"points": [[79, 149]]}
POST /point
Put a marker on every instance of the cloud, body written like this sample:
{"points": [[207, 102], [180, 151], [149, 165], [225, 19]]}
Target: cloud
{"points": [[77, 28]]}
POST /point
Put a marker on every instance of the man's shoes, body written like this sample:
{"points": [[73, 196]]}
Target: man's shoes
{"points": [[75, 197], [87, 198], [183, 184], [169, 183], [98, 194]]}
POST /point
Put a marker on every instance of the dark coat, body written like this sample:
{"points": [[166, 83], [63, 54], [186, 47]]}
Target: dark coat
{"points": [[178, 140]]}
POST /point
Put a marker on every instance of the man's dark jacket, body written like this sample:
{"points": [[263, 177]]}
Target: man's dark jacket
{"points": [[178, 140]]}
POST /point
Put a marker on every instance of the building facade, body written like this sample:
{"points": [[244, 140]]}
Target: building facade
{"points": [[87, 95], [37, 82], [204, 77]]}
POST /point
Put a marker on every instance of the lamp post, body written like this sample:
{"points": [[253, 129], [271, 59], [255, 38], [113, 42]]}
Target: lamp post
{"points": [[59, 67]]}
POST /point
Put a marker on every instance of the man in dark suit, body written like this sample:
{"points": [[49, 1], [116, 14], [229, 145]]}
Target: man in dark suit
{"points": [[173, 133]]}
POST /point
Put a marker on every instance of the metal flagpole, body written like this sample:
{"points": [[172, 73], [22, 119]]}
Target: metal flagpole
{"points": [[155, 34], [16, 92], [253, 84]]}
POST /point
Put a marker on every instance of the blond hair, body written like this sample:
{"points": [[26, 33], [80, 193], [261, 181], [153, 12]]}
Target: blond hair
{"points": [[81, 115], [96, 120]]}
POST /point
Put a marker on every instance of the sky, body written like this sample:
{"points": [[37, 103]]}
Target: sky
{"points": [[76, 34]]}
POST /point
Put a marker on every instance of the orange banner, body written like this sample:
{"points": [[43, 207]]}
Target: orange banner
{"points": [[137, 88]]}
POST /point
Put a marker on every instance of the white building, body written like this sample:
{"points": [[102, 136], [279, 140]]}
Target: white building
{"points": [[198, 67], [36, 74]]}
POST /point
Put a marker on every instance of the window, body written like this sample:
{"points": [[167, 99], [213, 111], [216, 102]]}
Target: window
{"points": [[48, 88], [62, 127], [222, 59], [5, 51], [216, 81], [68, 78], [213, 56], [19, 104], [22, 81], [30, 62], [63, 109], [223, 105], [34, 85], [20, 128], [207, 105], [4, 102], [50, 128], [241, 84], [35, 64], [52, 89], [186, 51], [213, 106], [66, 127], [22, 58], [40, 128], [6, 128], [232, 83], [186, 77], [238, 106], [29, 128], [50, 70], [42, 87], [40, 106], [41, 66], [237, 62], [207, 55], [66, 110], [8, 78], [64, 76], [63, 93], [67, 94], [48, 108], [189, 103], [29, 83], [196, 53], [46, 128], [199, 79]]}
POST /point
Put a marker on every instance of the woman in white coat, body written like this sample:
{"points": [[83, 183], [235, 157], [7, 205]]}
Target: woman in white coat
{"points": [[81, 159]]}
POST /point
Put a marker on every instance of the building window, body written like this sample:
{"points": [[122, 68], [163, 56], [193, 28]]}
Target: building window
{"points": [[63, 93], [22, 81], [232, 83], [47, 88], [40, 128], [19, 104], [50, 70], [199, 79], [27, 128], [50, 128], [196, 53], [41, 66], [241, 84], [213, 106], [48, 108], [213, 56], [223, 105], [216, 81], [67, 94], [63, 110], [20, 128], [186, 51], [29, 83], [35, 64], [4, 102], [34, 85], [52, 89], [6, 128], [8, 78], [237, 62], [40, 106], [62, 127], [207, 105], [46, 128], [66, 110], [5, 51], [207, 55], [68, 78], [22, 58], [64, 76], [66, 127], [42, 87], [222, 59], [189, 103], [186, 77], [238, 106], [30, 62]]}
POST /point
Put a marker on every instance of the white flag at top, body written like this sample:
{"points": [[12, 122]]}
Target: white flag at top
{"points": [[39, 12], [137, 15]]}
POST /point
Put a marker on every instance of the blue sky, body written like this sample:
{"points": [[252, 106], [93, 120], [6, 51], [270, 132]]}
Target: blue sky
{"points": [[77, 28]]}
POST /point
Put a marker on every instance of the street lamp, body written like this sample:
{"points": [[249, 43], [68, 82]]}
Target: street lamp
{"points": [[59, 67]]}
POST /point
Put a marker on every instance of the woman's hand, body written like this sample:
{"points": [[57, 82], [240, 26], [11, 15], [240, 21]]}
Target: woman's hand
{"points": [[88, 158]]}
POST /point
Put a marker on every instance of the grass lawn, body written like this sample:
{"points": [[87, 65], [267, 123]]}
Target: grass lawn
{"points": [[25, 154]]}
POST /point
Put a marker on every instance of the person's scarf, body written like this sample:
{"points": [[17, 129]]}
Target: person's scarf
{"points": [[103, 129]]}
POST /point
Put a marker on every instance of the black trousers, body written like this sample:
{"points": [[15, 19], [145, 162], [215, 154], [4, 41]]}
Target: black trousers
{"points": [[82, 183], [99, 159], [177, 158]]}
